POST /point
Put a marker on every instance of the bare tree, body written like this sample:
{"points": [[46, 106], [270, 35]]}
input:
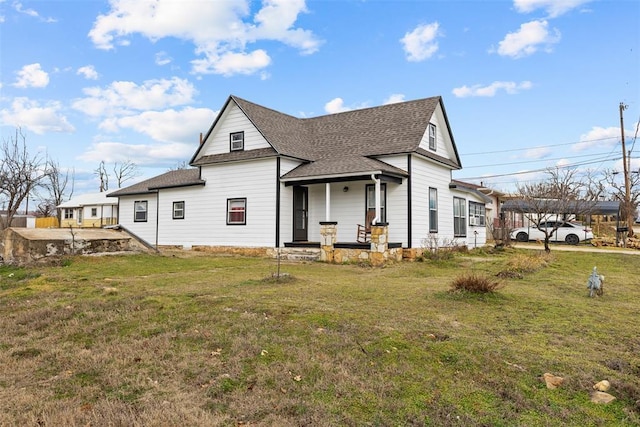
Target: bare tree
{"points": [[554, 200], [57, 191], [618, 191], [125, 171], [101, 173], [179, 166], [20, 174]]}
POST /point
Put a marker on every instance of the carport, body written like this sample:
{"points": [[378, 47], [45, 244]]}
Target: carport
{"points": [[596, 208]]}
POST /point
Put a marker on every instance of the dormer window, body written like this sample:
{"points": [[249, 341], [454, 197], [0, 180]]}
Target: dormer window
{"points": [[237, 141], [432, 137]]}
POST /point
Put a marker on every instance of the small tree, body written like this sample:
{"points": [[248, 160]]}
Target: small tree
{"points": [[20, 174], [556, 198]]}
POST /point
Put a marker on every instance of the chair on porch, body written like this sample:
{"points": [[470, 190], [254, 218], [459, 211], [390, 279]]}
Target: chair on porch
{"points": [[364, 231]]}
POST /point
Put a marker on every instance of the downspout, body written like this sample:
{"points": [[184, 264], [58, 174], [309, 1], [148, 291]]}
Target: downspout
{"points": [[157, 216], [377, 192]]}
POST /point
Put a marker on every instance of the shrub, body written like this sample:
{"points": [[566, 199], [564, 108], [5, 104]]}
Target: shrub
{"points": [[436, 249], [476, 283], [525, 263]]}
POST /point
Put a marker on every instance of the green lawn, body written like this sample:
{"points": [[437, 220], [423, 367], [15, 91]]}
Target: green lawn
{"points": [[187, 339]]}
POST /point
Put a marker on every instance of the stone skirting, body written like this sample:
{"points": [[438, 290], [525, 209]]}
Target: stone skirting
{"points": [[377, 252]]}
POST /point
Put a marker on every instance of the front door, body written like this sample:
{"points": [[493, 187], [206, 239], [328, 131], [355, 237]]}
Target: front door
{"points": [[300, 202]]}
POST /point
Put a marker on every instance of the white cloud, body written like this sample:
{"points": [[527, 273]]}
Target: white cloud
{"points": [[232, 63], [598, 137], [121, 97], [554, 8], [394, 99], [421, 44], [528, 39], [31, 12], [166, 126], [511, 88], [32, 75], [35, 117], [219, 30], [537, 153], [88, 71], [144, 154], [163, 58], [336, 105]]}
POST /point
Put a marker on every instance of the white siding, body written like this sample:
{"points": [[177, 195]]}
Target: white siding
{"points": [[476, 234], [425, 174], [255, 181], [145, 230], [191, 230], [444, 143], [232, 119]]}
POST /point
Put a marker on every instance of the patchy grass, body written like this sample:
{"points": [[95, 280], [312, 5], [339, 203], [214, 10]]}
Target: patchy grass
{"points": [[192, 339]]}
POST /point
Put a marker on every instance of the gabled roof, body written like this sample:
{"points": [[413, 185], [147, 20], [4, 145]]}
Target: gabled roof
{"points": [[342, 141], [88, 199], [469, 188], [176, 178]]}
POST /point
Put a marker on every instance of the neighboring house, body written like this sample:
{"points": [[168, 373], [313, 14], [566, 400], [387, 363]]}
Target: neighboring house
{"points": [[262, 178], [89, 210]]}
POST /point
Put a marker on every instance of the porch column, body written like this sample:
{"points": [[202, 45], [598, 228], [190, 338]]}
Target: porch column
{"points": [[379, 244], [328, 231], [327, 202]]}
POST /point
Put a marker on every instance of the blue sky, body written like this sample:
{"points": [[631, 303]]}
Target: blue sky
{"points": [[527, 84]]}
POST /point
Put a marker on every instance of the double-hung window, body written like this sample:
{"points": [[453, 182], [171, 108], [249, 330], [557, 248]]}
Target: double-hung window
{"points": [[459, 217], [432, 137], [68, 213], [476, 214], [94, 212], [237, 211], [140, 211], [371, 202], [178, 210], [236, 141], [433, 210]]}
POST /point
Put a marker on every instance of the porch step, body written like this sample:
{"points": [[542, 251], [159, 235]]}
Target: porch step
{"points": [[300, 254]]}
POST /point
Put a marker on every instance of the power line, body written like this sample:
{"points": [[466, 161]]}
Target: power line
{"points": [[573, 165], [539, 146], [541, 160]]}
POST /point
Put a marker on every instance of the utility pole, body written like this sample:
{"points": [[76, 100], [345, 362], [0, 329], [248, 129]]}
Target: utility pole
{"points": [[625, 167]]}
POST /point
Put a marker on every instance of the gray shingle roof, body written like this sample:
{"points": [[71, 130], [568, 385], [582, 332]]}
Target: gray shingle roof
{"points": [[176, 178], [343, 142]]}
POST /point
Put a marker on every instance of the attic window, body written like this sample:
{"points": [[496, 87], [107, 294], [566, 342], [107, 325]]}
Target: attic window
{"points": [[237, 141], [432, 137]]}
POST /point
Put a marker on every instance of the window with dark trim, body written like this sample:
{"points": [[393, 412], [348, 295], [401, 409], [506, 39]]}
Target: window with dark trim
{"points": [[94, 212], [371, 202], [432, 137], [459, 217], [236, 141], [433, 210], [476, 214], [178, 210], [140, 211], [237, 211]]}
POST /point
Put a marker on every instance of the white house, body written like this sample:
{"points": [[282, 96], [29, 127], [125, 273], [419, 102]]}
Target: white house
{"points": [[89, 210], [261, 178]]}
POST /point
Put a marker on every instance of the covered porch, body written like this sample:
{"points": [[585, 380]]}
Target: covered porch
{"points": [[345, 217]]}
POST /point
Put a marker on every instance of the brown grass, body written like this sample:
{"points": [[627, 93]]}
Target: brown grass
{"points": [[203, 340]]}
